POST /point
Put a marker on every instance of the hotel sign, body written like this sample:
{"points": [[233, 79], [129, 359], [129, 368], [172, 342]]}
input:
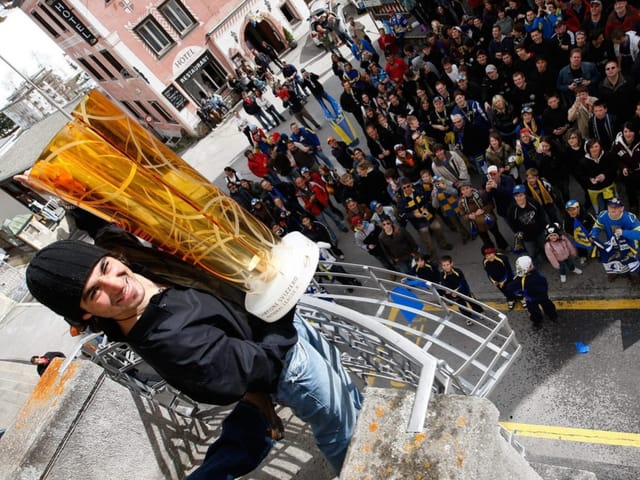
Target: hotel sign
{"points": [[70, 19]]}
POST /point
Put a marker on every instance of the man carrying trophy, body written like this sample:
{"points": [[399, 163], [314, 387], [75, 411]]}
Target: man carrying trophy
{"points": [[181, 307]]}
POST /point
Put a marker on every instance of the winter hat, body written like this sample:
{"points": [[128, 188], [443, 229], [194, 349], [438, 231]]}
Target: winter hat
{"points": [[57, 274], [523, 264], [551, 229]]}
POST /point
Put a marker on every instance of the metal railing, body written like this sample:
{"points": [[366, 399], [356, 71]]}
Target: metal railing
{"points": [[391, 330], [471, 358]]}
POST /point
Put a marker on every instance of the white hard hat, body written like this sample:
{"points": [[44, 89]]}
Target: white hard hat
{"points": [[522, 265]]}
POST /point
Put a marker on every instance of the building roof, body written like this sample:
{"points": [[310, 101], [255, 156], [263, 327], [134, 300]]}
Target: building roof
{"points": [[31, 143]]}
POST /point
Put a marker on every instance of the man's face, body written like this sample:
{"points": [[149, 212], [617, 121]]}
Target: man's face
{"points": [[387, 226], [573, 211], [582, 96], [599, 112], [615, 212], [458, 123], [620, 8], [441, 89], [496, 33], [446, 266], [493, 74], [112, 291], [426, 177], [520, 199], [490, 257], [407, 189], [372, 132], [461, 101], [518, 81], [575, 59], [532, 179], [465, 190], [530, 16], [536, 36], [553, 102], [611, 69], [295, 129]]}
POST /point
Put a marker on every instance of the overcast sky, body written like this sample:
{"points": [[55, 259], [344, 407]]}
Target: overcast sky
{"points": [[26, 47]]}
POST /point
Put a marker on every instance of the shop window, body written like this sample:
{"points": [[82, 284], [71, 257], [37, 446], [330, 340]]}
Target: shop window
{"points": [[102, 67], [151, 33], [44, 24], [115, 63], [129, 107], [178, 16], [205, 74], [91, 69], [163, 113]]}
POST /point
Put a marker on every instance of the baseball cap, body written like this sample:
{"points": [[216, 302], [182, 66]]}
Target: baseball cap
{"points": [[487, 249], [571, 204], [518, 189], [525, 131], [399, 146], [560, 22], [461, 77], [492, 168], [374, 204], [527, 109], [304, 169], [355, 220], [490, 68], [254, 201], [615, 201], [438, 98], [331, 139]]}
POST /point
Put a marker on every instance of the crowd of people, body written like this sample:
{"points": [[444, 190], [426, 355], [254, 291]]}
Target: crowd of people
{"points": [[527, 112]]}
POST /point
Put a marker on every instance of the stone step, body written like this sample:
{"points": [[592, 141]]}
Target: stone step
{"points": [[17, 381], [554, 472]]}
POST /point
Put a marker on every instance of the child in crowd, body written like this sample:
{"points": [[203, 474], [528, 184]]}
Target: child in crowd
{"points": [[578, 223], [444, 198], [560, 251], [453, 278], [425, 269], [498, 269], [533, 286]]}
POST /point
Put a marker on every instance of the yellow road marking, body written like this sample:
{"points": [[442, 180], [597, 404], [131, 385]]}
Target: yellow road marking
{"points": [[602, 304], [623, 439]]}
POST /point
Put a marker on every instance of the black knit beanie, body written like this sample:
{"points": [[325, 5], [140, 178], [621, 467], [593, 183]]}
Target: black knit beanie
{"points": [[57, 274]]}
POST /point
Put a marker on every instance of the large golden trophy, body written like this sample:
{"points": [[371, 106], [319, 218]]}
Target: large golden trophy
{"points": [[106, 163]]}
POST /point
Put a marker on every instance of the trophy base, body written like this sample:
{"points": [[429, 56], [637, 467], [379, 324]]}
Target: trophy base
{"points": [[295, 259]]}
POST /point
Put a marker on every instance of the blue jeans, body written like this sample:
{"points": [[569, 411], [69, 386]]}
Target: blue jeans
{"points": [[316, 387], [241, 447]]}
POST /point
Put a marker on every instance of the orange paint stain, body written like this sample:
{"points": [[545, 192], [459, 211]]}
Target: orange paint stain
{"points": [[373, 427]]}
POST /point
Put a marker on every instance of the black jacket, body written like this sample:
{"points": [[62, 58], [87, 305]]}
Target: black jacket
{"points": [[208, 348]]}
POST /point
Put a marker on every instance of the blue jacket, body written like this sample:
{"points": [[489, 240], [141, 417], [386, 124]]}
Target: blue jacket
{"points": [[306, 137], [589, 72]]}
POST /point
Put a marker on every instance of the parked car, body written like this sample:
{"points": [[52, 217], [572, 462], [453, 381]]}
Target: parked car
{"points": [[318, 13]]}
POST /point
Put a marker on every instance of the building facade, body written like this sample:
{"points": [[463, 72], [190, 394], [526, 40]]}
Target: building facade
{"points": [[29, 105], [155, 57]]}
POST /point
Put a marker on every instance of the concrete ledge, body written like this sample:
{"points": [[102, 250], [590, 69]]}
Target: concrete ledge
{"points": [[79, 425], [460, 441], [552, 472]]}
